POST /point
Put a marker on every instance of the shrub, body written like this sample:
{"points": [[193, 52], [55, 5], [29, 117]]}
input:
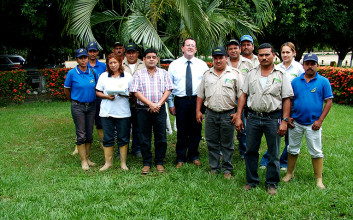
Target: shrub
{"points": [[13, 86], [55, 79], [341, 80]]}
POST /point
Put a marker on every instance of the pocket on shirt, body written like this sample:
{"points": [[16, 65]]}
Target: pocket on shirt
{"points": [[275, 89]]}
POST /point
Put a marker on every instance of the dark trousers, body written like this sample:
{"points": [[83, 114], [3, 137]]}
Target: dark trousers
{"points": [[135, 146], [189, 131], [147, 122], [97, 118], [118, 128], [256, 127], [83, 116], [219, 133]]}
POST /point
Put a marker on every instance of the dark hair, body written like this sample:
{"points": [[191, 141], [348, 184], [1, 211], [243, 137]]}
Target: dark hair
{"points": [[150, 50], [114, 56], [189, 38], [266, 45]]}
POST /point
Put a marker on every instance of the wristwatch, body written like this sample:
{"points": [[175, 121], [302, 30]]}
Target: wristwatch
{"points": [[286, 119], [159, 104]]}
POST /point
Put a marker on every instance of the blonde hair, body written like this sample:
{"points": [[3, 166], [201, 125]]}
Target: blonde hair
{"points": [[290, 45]]}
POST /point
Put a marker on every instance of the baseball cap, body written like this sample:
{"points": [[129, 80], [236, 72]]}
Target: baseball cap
{"points": [[311, 56], [92, 46], [218, 51], [246, 37], [233, 41], [118, 43], [131, 46], [81, 52]]}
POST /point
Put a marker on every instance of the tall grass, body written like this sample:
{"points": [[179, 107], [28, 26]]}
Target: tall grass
{"points": [[39, 179]]}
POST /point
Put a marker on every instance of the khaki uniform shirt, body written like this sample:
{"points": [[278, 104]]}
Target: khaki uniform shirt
{"points": [[220, 92], [138, 66], [244, 65], [255, 61], [270, 98]]}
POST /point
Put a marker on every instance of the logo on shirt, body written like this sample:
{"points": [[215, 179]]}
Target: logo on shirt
{"points": [[245, 70], [313, 90], [277, 80], [229, 81], [91, 81]]}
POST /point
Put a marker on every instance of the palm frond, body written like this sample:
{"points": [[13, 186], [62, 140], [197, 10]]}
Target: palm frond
{"points": [[80, 22]]}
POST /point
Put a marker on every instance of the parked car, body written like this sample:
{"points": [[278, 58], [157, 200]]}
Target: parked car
{"points": [[166, 60], [11, 62]]}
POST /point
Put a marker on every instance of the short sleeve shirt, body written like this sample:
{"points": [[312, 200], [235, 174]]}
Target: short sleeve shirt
{"points": [[270, 98], [119, 107], [82, 85], [220, 92], [151, 86], [294, 70], [309, 98], [244, 65]]}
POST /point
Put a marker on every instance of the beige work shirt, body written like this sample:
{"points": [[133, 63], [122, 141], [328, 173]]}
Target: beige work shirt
{"points": [[270, 98], [244, 65], [220, 92], [138, 66], [255, 60]]}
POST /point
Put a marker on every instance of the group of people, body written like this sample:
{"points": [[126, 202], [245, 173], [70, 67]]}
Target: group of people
{"points": [[242, 92]]}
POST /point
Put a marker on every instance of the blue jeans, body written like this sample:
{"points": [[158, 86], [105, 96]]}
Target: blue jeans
{"points": [[83, 116], [283, 159], [189, 130], [119, 127], [147, 122], [256, 127]]}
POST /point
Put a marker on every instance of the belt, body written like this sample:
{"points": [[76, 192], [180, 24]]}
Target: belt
{"points": [[185, 97], [226, 111], [84, 103], [264, 114], [142, 106]]}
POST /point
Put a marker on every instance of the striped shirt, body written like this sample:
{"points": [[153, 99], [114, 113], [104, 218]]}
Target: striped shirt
{"points": [[152, 87]]}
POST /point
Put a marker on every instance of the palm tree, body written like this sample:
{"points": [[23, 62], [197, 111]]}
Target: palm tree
{"points": [[162, 24]]}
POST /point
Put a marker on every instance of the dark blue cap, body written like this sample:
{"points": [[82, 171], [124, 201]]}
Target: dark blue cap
{"points": [[81, 52], [92, 46], [311, 56]]}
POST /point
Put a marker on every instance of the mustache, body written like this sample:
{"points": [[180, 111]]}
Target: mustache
{"points": [[310, 69]]}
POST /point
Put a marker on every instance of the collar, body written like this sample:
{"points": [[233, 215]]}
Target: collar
{"points": [[81, 72], [186, 60], [315, 77]]}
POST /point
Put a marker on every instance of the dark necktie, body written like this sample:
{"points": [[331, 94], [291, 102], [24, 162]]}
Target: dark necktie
{"points": [[188, 80]]}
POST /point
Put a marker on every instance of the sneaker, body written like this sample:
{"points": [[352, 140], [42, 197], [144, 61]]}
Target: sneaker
{"points": [[262, 167], [284, 168]]}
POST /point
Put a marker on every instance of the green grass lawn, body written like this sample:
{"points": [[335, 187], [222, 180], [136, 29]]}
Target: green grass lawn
{"points": [[40, 179]]}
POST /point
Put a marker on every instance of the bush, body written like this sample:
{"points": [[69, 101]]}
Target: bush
{"points": [[341, 80], [13, 86], [55, 79]]}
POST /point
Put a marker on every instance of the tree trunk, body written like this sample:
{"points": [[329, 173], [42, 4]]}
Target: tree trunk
{"points": [[341, 55]]}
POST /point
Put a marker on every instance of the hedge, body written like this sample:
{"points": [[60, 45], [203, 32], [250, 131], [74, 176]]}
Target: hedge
{"points": [[13, 85]]}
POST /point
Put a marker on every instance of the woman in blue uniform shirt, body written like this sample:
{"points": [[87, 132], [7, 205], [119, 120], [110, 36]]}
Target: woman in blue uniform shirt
{"points": [[79, 88]]}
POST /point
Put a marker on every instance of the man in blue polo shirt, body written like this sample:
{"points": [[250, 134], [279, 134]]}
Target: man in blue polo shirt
{"points": [[98, 68], [311, 90]]}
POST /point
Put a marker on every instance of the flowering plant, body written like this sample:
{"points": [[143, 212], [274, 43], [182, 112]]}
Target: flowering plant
{"points": [[55, 79], [341, 80], [13, 86]]}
